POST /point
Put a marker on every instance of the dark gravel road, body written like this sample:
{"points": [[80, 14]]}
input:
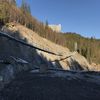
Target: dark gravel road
{"points": [[36, 86]]}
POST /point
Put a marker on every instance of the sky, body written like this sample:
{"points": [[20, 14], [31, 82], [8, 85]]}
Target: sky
{"points": [[80, 16]]}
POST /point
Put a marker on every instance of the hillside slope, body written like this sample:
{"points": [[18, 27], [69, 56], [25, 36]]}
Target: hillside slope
{"points": [[10, 12], [74, 61], [87, 47]]}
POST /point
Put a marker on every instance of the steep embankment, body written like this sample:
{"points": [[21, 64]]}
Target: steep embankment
{"points": [[36, 57]]}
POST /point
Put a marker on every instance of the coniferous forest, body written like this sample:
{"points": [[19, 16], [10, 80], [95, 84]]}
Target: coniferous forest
{"points": [[88, 47]]}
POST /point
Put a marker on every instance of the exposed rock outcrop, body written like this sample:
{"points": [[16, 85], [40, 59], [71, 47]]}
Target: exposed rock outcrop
{"points": [[9, 68], [36, 57]]}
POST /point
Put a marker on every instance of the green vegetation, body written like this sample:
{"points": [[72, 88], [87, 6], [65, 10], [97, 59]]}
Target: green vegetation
{"points": [[22, 15], [9, 12], [88, 47]]}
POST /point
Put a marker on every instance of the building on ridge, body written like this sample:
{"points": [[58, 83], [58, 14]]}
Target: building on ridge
{"points": [[56, 28]]}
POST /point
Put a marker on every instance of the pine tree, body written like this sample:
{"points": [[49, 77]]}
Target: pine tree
{"points": [[13, 2], [25, 7]]}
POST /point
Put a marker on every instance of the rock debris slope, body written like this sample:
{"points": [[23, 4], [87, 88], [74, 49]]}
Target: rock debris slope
{"points": [[36, 57]]}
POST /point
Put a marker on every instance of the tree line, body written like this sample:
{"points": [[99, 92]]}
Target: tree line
{"points": [[88, 47], [9, 12]]}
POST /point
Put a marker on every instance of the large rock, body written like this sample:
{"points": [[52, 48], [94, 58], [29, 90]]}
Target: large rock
{"points": [[78, 62], [9, 68]]}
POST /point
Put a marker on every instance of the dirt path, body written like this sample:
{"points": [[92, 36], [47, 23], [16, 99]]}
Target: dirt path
{"points": [[36, 86]]}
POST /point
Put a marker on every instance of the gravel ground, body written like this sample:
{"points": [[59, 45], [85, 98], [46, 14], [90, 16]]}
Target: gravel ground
{"points": [[48, 86]]}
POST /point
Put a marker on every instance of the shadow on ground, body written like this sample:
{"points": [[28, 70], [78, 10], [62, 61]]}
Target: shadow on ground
{"points": [[48, 86]]}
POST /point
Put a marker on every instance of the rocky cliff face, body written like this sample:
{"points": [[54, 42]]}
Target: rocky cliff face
{"points": [[37, 58]]}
